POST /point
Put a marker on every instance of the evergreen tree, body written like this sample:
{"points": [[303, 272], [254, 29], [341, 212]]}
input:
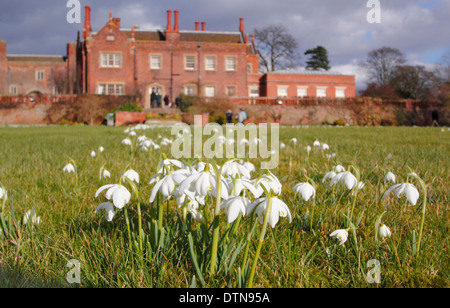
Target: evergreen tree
{"points": [[318, 59]]}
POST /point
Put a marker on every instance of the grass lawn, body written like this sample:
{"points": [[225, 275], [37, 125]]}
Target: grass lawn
{"points": [[296, 254]]}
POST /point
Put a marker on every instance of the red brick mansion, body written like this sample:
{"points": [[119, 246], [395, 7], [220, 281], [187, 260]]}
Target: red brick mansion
{"points": [[121, 61]]}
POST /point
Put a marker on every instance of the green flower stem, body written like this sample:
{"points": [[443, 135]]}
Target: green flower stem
{"points": [[127, 221], [160, 212], [247, 245], [261, 240], [424, 207], [212, 266]]}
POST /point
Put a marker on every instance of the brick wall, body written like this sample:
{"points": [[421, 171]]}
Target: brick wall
{"points": [[3, 69]]}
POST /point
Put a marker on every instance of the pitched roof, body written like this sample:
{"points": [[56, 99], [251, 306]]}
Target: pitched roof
{"points": [[187, 36]]}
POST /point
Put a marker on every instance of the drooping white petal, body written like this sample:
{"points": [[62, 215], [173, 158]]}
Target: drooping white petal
{"points": [[108, 209]]}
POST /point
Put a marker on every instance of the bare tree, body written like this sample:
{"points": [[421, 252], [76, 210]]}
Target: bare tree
{"points": [[277, 48], [381, 64], [413, 81]]}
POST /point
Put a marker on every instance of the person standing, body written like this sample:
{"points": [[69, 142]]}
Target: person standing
{"points": [[166, 101], [158, 99], [229, 115], [153, 99], [241, 116]]}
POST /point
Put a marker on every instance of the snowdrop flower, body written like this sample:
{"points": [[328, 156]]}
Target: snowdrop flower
{"points": [[411, 192], [234, 169], [166, 186], [3, 193], [269, 182], [308, 149], [235, 205], [132, 133], [279, 209], [329, 175], [204, 183], [294, 140], [106, 174], [118, 193], [282, 145], [126, 141], [250, 167], [316, 143], [101, 149], [306, 190], [192, 207], [389, 177], [340, 235], [384, 231], [236, 186], [131, 175], [31, 216], [347, 178], [339, 168], [69, 168], [325, 146], [93, 154], [108, 209]]}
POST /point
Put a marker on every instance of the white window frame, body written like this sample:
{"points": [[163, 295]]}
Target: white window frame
{"points": [[319, 95], [338, 89], [302, 91], [210, 63], [110, 59], [158, 64], [282, 88], [208, 90], [40, 75], [190, 65], [230, 66], [13, 90], [189, 90], [251, 90], [105, 88], [228, 87]]}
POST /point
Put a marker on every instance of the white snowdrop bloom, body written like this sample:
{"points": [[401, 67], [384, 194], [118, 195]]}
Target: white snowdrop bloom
{"points": [[325, 146], [269, 182], [243, 141], [93, 154], [101, 149], [131, 175], [237, 185], [141, 138], [126, 141], [306, 190], [108, 210], [117, 193], [204, 183], [3, 193], [279, 209], [30, 216], [308, 149], [69, 168], [347, 178], [339, 168], [106, 174], [192, 207], [329, 175], [282, 145], [235, 205], [249, 166], [293, 140], [389, 177], [132, 133], [411, 192], [340, 235], [234, 169], [316, 143], [384, 231]]}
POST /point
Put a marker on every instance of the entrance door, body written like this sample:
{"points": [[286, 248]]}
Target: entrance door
{"points": [[156, 96]]}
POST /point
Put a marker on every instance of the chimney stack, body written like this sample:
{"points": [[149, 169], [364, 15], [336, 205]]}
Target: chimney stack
{"points": [[116, 21], [87, 21], [176, 27], [197, 26], [203, 26], [169, 20], [241, 25]]}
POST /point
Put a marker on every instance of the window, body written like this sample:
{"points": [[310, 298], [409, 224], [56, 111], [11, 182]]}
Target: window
{"points": [[282, 91], [253, 91], [110, 89], [321, 92], [340, 92], [189, 90], [13, 90], [40, 75], [302, 91], [210, 91], [230, 90], [111, 60], [189, 62], [155, 62], [210, 63], [249, 68], [230, 64]]}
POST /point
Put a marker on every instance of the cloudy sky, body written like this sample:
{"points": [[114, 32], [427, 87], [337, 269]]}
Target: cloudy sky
{"points": [[419, 28]]}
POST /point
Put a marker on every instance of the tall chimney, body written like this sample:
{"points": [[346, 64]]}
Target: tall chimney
{"points": [[176, 26], [241, 25], [87, 21], [197, 26], [203, 26], [169, 20]]}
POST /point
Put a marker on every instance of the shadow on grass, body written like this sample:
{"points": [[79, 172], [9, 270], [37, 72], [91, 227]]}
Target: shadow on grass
{"points": [[11, 277]]}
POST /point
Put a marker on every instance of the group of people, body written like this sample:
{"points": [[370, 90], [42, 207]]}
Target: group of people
{"points": [[155, 100], [241, 116]]}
